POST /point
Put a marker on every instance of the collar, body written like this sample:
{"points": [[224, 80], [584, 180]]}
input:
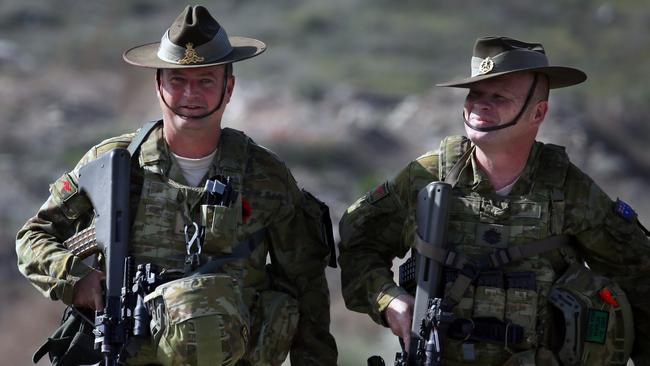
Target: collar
{"points": [[155, 156], [474, 178]]}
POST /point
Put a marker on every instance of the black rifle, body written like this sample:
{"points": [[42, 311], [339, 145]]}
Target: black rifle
{"points": [[106, 182], [429, 319]]}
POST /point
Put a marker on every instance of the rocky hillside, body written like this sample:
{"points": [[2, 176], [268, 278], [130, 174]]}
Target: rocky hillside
{"points": [[344, 94]]}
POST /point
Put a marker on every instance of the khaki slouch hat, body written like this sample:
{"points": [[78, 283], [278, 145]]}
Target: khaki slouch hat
{"points": [[498, 56], [195, 39]]}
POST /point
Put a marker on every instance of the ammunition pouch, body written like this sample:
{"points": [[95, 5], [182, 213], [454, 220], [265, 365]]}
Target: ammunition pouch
{"points": [[198, 320], [72, 343], [274, 324], [592, 319]]}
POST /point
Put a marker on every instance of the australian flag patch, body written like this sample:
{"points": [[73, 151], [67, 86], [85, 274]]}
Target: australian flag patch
{"points": [[624, 210]]}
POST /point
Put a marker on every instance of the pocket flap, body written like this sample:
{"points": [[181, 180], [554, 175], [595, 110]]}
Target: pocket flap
{"points": [[198, 296]]}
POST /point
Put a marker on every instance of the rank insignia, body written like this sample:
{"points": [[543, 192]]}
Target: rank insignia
{"points": [[624, 210], [486, 66], [191, 56], [492, 236]]}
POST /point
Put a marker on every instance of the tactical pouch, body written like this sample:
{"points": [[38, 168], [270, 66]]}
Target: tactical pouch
{"points": [[521, 304], [594, 319], [72, 343], [320, 223], [220, 224], [490, 296], [275, 322], [199, 320]]}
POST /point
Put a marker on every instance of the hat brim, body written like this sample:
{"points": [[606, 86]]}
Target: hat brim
{"points": [[147, 55], [558, 76]]}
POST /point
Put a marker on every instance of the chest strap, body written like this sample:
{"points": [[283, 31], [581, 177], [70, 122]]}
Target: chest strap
{"points": [[469, 268], [241, 251]]}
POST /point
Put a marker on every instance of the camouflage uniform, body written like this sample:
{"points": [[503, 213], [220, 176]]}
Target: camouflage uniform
{"points": [[258, 312], [551, 197]]}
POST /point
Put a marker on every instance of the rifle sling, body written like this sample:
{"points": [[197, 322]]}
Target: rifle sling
{"points": [[141, 135], [454, 173]]}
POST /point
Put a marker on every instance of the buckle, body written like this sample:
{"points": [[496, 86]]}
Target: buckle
{"points": [[461, 329], [471, 271], [500, 257], [450, 258]]}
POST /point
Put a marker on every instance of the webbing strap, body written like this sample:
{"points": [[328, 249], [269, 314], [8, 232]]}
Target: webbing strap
{"points": [[208, 350], [142, 134], [496, 259], [241, 251], [454, 173], [469, 269]]}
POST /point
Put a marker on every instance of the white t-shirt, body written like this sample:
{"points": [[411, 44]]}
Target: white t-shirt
{"points": [[507, 189], [194, 169]]}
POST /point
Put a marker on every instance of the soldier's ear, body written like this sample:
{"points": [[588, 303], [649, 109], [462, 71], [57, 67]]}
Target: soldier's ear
{"points": [[157, 81], [230, 86], [539, 113]]}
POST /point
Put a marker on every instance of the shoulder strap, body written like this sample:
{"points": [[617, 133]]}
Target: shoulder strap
{"points": [[234, 152], [550, 175], [454, 153], [141, 135]]}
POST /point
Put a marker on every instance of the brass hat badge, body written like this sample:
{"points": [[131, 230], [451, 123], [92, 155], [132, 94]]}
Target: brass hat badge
{"points": [[191, 57]]}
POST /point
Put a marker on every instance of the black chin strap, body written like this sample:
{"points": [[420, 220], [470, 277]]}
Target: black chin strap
{"points": [[514, 121], [178, 113]]}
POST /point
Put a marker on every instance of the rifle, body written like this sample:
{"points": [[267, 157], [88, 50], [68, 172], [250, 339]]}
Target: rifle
{"points": [[106, 182], [429, 318]]}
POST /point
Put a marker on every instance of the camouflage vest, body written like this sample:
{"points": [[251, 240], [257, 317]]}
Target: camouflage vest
{"points": [[167, 206], [517, 292]]}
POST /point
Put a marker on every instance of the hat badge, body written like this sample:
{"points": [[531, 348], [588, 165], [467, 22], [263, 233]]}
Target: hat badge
{"points": [[486, 66], [191, 56]]}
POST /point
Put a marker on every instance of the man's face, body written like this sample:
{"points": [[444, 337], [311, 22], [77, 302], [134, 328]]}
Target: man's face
{"points": [[497, 101], [194, 92]]}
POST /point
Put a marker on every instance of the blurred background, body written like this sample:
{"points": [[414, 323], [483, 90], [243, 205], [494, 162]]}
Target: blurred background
{"points": [[345, 95]]}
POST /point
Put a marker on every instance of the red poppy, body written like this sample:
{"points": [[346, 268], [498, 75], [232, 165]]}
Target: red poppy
{"points": [[246, 210]]}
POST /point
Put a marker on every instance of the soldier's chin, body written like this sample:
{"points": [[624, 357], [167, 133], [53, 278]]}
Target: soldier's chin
{"points": [[482, 124], [190, 114]]}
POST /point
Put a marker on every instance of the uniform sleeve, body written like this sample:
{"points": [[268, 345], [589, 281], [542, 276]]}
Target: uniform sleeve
{"points": [[301, 257], [42, 258], [613, 244], [373, 234]]}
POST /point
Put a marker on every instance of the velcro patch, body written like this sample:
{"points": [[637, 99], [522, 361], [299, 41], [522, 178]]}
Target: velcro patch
{"points": [[378, 193], [597, 326], [624, 210], [64, 187]]}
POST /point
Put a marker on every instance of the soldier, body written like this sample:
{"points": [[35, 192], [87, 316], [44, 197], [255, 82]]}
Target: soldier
{"points": [[523, 221], [248, 313]]}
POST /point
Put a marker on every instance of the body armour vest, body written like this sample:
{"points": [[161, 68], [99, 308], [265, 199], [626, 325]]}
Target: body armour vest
{"points": [[516, 293], [167, 206]]}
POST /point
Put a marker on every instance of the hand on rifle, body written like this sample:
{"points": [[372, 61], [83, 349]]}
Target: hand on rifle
{"points": [[399, 314], [88, 291]]}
